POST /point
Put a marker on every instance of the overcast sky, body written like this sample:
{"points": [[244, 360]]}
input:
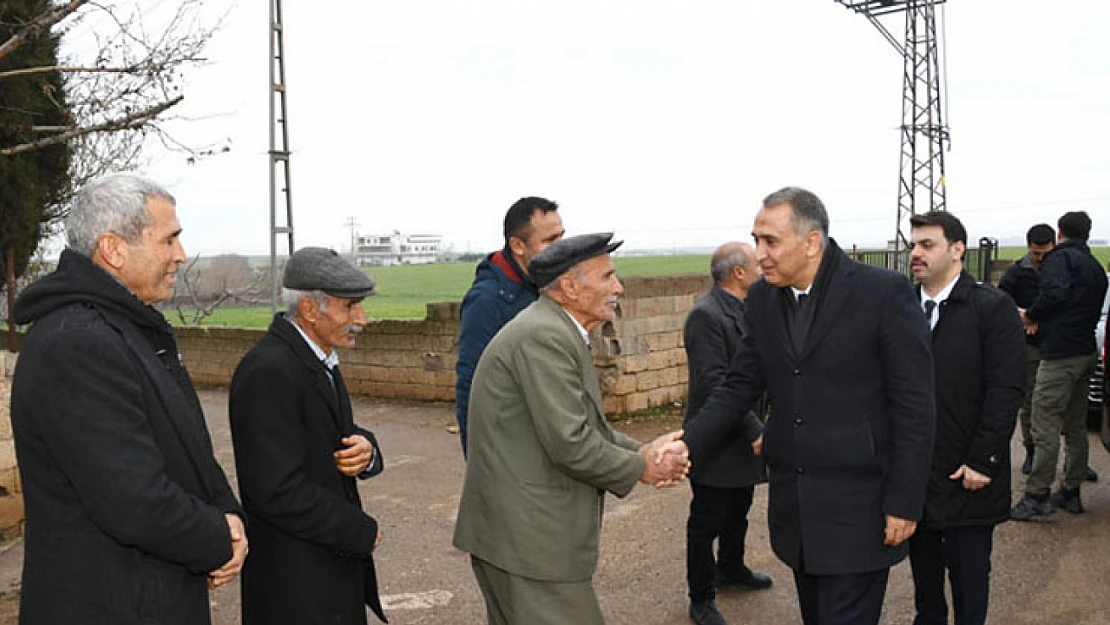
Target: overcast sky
{"points": [[664, 121]]}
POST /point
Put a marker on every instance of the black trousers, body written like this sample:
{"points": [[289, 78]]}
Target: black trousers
{"points": [[854, 599], [966, 553], [715, 514]]}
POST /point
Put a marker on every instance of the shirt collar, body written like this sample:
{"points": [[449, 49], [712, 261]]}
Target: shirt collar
{"points": [[942, 295], [330, 360], [798, 292], [581, 329]]}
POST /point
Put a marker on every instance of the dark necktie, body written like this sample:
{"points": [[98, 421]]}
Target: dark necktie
{"points": [[802, 297], [930, 306]]}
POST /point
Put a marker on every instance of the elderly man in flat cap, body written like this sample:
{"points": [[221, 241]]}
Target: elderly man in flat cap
{"points": [[542, 455], [298, 453]]}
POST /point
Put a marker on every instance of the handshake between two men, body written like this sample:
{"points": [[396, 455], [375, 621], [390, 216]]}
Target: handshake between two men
{"points": [[666, 460]]}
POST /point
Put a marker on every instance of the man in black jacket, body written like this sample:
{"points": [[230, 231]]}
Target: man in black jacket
{"points": [[1073, 285], [978, 360], [722, 487], [1022, 280], [129, 518], [843, 351], [298, 452]]}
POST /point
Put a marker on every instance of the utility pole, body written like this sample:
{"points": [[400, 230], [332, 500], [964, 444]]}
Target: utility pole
{"points": [[925, 137], [279, 149], [352, 223]]}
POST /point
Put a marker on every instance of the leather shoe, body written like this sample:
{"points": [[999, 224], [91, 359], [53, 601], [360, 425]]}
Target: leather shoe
{"points": [[1027, 466], [746, 580], [1090, 475], [705, 613]]}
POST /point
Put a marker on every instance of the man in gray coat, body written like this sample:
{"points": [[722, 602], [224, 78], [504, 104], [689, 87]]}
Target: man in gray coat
{"points": [[722, 487], [542, 455]]}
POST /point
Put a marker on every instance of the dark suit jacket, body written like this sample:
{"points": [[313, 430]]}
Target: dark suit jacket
{"points": [[310, 540], [712, 334], [850, 434], [125, 501], [980, 375]]}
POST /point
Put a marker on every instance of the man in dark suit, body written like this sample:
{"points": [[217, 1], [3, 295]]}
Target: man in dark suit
{"points": [[723, 487], [542, 455], [978, 351], [298, 452], [842, 350], [129, 518]]}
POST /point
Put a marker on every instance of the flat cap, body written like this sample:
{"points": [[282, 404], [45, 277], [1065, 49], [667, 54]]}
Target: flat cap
{"points": [[321, 269], [561, 255]]}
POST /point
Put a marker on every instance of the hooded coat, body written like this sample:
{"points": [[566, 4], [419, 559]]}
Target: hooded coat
{"points": [[124, 499]]}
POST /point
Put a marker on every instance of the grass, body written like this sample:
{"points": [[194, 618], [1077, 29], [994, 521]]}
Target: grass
{"points": [[403, 291]]}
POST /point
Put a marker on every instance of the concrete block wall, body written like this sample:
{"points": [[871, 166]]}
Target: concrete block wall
{"points": [[11, 495], [640, 357]]}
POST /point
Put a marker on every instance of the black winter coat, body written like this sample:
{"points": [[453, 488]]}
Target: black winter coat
{"points": [[851, 429], [712, 334], [979, 364], [125, 501], [1022, 281], [1069, 305], [310, 541]]}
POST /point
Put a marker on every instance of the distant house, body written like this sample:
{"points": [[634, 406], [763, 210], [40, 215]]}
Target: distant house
{"points": [[396, 248]]}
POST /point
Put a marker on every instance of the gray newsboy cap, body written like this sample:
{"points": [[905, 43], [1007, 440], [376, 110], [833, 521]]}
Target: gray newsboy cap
{"points": [[561, 255], [321, 269]]}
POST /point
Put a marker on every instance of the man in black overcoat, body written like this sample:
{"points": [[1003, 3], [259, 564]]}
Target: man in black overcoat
{"points": [[130, 519], [298, 453], [722, 488], [978, 348], [842, 350]]}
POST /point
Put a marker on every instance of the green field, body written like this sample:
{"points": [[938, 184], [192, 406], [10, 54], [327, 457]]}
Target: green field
{"points": [[403, 291]]}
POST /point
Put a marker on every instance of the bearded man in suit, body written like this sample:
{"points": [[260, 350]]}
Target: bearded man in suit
{"points": [[541, 455], [842, 349]]}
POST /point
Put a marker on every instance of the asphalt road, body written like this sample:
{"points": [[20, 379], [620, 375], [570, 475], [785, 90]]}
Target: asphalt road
{"points": [[1049, 573]]}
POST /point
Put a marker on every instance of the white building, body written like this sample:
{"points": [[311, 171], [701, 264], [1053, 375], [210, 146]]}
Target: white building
{"points": [[398, 249]]}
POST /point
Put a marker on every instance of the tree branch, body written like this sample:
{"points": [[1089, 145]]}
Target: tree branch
{"points": [[68, 69], [133, 120], [41, 24]]}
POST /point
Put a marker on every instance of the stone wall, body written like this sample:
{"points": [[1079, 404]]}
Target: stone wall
{"points": [[640, 357], [11, 491]]}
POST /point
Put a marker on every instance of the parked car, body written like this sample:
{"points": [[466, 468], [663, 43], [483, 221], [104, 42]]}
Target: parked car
{"points": [[1096, 394]]}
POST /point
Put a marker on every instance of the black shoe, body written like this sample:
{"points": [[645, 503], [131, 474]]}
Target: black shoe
{"points": [[746, 580], [1032, 508], [1090, 475], [1027, 466], [1067, 500], [705, 613]]}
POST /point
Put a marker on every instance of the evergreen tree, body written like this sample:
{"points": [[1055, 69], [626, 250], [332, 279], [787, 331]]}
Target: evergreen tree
{"points": [[33, 183]]}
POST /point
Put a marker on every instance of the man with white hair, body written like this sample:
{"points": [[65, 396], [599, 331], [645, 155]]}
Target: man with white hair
{"points": [[541, 455], [298, 452], [129, 517]]}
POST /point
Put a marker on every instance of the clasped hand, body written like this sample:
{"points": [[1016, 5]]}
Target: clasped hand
{"points": [[666, 460]]}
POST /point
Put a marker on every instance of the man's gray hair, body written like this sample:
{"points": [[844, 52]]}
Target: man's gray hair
{"points": [[292, 297], [807, 211], [722, 265], [578, 271], [114, 203]]}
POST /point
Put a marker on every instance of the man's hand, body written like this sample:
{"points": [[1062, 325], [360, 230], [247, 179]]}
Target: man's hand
{"points": [[973, 480], [377, 541], [666, 460], [356, 457], [231, 568], [757, 445], [898, 530]]}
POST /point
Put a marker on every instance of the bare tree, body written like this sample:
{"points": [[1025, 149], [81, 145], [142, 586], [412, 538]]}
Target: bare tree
{"points": [[204, 287]]}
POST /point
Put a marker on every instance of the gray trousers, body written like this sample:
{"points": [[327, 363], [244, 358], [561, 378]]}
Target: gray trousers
{"points": [[514, 600], [1060, 407], [1025, 413]]}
